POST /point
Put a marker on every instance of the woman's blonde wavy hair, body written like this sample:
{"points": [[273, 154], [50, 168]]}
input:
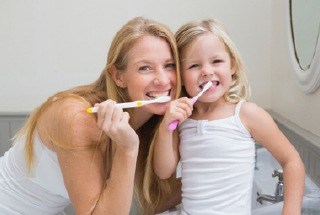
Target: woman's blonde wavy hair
{"points": [[188, 34], [149, 192]]}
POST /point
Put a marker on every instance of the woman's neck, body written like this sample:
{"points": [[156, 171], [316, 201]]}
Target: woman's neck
{"points": [[138, 117]]}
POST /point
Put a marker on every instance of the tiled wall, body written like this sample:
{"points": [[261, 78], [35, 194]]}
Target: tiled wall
{"points": [[307, 144], [9, 125]]}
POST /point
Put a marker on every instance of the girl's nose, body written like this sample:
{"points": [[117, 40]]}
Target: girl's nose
{"points": [[207, 71]]}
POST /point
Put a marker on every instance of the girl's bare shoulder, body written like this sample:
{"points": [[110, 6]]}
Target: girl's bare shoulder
{"points": [[252, 114]]}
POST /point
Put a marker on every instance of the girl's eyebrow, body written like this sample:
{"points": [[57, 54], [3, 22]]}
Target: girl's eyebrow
{"points": [[188, 59]]}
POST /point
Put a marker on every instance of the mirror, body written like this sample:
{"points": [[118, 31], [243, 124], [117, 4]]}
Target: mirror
{"points": [[304, 42]]}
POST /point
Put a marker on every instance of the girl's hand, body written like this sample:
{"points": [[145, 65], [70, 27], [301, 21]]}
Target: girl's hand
{"points": [[179, 109], [115, 123]]}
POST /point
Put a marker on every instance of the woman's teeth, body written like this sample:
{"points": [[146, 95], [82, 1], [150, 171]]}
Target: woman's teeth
{"points": [[156, 95]]}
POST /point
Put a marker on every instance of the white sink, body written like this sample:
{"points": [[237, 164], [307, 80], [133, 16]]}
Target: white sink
{"points": [[273, 209], [264, 183]]}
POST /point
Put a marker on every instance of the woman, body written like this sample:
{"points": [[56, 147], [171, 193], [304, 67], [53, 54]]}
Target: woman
{"points": [[64, 154]]}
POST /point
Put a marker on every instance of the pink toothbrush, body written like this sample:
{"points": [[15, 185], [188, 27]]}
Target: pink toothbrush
{"points": [[173, 125]]}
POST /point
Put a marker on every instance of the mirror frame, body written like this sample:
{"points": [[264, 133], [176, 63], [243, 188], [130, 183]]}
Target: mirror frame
{"points": [[309, 79]]}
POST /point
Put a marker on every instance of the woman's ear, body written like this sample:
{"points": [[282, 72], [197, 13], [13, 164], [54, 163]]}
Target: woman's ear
{"points": [[117, 77]]}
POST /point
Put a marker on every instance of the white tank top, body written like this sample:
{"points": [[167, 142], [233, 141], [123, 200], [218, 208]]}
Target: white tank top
{"points": [[42, 192], [217, 159]]}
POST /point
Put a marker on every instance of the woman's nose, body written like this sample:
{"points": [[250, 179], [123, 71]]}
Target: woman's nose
{"points": [[161, 78]]}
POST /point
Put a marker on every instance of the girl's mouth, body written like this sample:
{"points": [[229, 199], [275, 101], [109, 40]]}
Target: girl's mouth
{"points": [[214, 83]]}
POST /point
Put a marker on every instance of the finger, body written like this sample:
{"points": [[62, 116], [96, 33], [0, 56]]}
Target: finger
{"points": [[183, 113], [105, 112], [117, 115], [187, 102], [101, 114], [186, 108], [125, 117]]}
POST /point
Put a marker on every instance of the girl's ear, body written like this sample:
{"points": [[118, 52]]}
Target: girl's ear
{"points": [[234, 67], [117, 77], [233, 70]]}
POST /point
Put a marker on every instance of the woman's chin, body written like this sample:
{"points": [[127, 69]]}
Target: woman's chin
{"points": [[158, 109]]}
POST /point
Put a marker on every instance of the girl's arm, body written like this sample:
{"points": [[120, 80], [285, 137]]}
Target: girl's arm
{"points": [[84, 167], [166, 146], [265, 131]]}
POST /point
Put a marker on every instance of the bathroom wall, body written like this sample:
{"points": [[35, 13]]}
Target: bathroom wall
{"points": [[286, 97], [296, 112], [47, 46]]}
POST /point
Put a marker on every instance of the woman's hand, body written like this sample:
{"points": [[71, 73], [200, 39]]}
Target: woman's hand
{"points": [[115, 123]]}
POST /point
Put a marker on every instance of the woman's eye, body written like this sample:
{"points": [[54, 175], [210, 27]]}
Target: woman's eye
{"points": [[144, 68], [170, 65]]}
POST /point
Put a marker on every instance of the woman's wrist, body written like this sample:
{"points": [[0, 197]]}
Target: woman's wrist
{"points": [[128, 152]]}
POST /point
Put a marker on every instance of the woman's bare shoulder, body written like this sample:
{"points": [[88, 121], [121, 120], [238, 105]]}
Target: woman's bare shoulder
{"points": [[66, 119]]}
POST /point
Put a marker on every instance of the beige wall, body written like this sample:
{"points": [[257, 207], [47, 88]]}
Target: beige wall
{"points": [[286, 97]]}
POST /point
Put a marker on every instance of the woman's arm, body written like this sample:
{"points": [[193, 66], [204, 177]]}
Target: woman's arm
{"points": [[117, 196], [84, 170], [166, 146], [265, 131]]}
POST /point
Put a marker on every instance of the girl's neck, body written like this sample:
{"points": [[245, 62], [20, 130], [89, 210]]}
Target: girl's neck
{"points": [[203, 108], [212, 110]]}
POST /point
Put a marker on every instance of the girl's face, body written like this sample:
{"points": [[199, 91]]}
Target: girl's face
{"points": [[150, 73], [207, 59]]}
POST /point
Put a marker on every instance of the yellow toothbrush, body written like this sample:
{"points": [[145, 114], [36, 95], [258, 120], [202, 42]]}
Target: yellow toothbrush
{"points": [[134, 104]]}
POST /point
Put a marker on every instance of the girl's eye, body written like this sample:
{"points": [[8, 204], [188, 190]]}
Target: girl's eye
{"points": [[193, 66], [217, 61]]}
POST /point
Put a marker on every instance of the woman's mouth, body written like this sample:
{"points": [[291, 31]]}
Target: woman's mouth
{"points": [[154, 95]]}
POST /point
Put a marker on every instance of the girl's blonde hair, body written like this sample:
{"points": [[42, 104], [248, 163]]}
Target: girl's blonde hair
{"points": [[191, 31], [149, 196]]}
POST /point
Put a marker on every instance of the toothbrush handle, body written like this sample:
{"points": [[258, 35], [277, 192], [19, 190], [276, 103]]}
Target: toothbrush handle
{"points": [[173, 125]]}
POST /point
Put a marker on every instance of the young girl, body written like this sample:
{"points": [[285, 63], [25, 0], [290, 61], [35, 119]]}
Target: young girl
{"points": [[217, 142]]}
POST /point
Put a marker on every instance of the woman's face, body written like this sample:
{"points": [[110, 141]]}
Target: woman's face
{"points": [[150, 73]]}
